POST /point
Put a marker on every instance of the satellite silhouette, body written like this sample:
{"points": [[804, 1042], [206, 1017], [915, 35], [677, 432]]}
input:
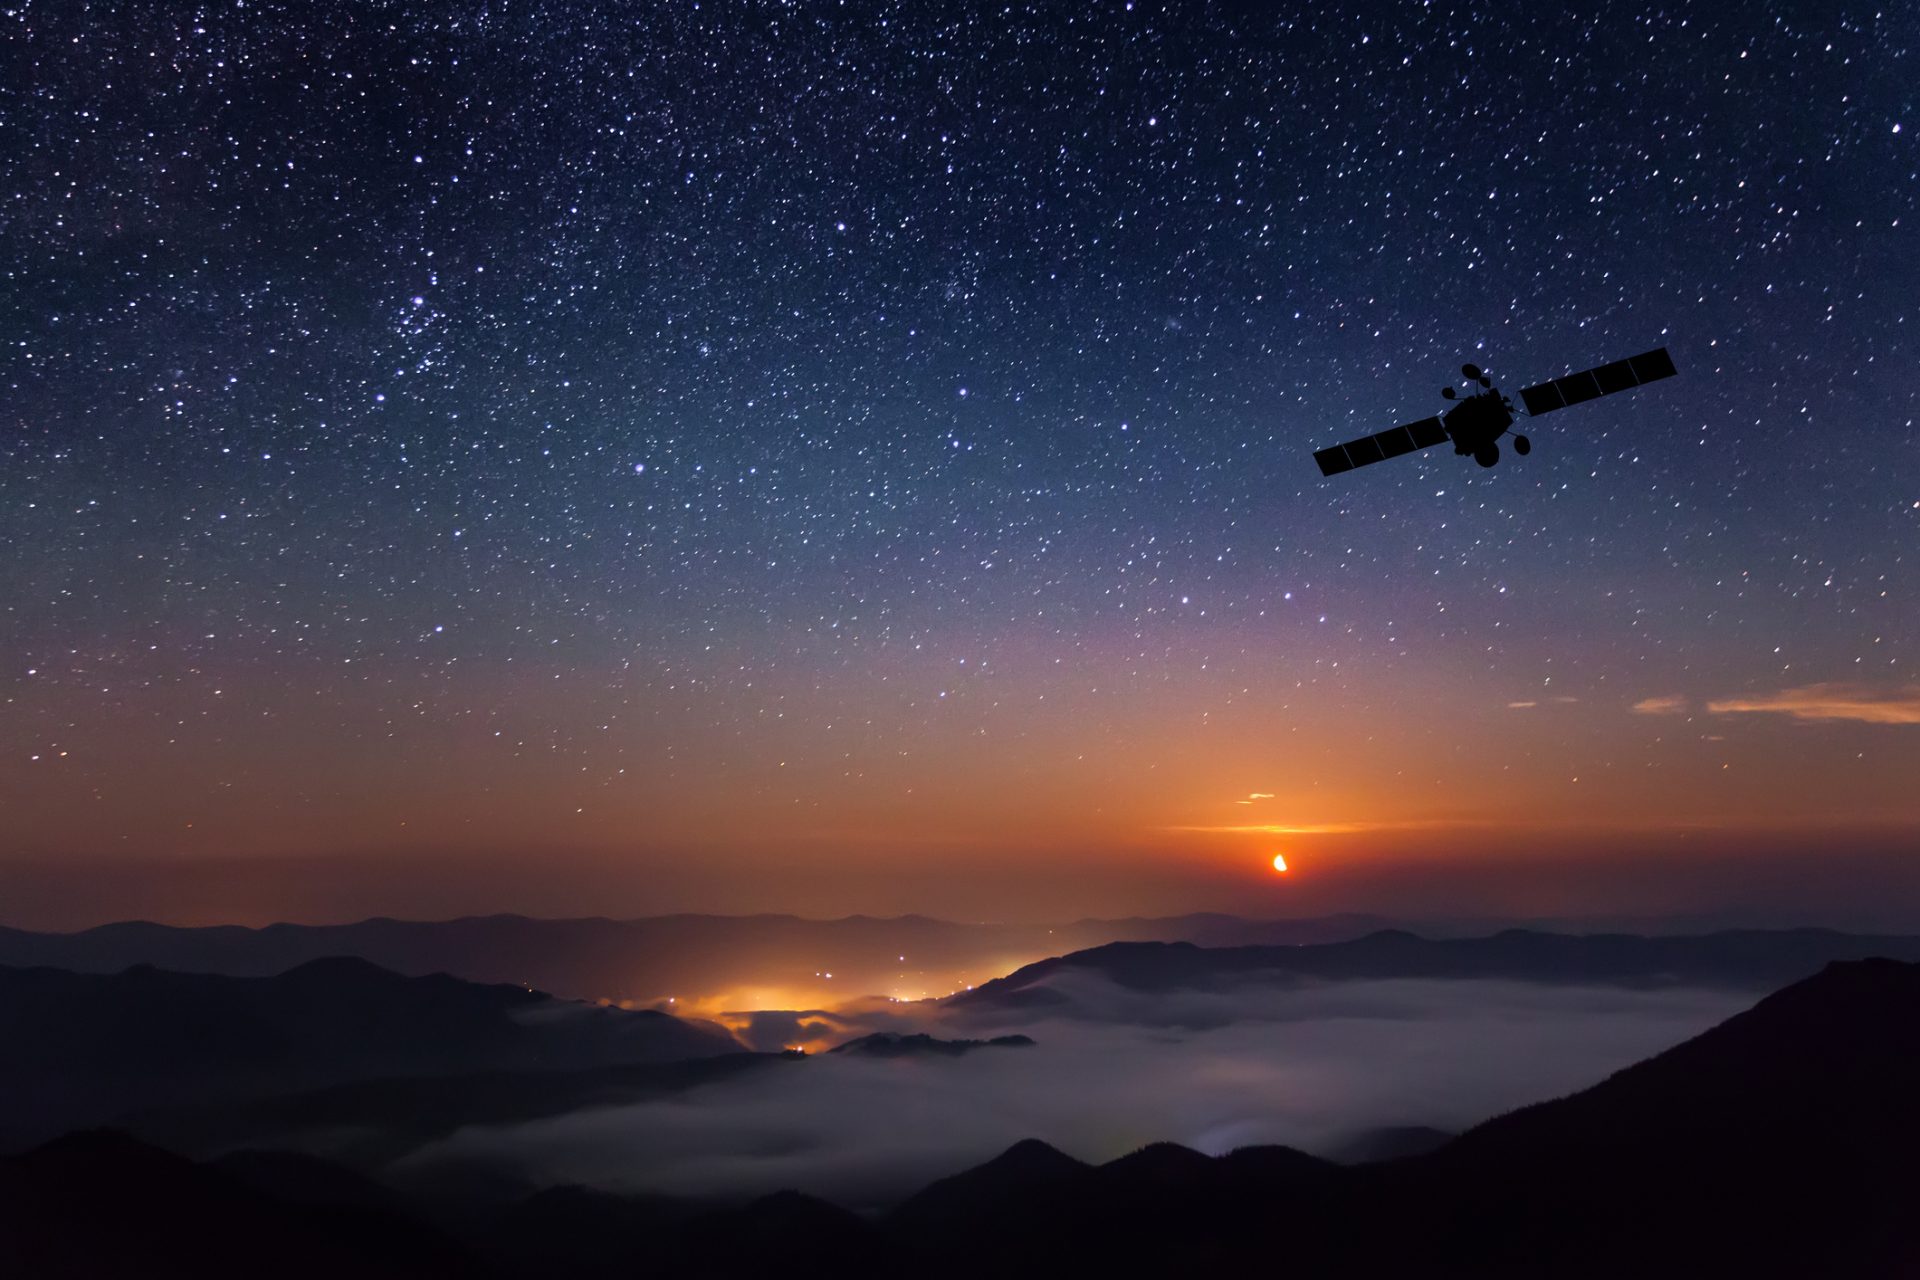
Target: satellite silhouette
{"points": [[1477, 422]]}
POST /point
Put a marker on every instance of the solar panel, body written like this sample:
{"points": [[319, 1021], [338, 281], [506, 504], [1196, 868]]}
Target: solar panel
{"points": [[1333, 461], [1615, 377], [1651, 366], [1591, 384], [1423, 434]]}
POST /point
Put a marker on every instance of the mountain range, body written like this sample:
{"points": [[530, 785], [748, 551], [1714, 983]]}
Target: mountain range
{"points": [[1752, 959], [648, 961], [758, 962], [1779, 1143]]}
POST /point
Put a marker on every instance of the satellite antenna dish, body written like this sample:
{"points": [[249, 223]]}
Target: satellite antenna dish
{"points": [[1476, 424]]}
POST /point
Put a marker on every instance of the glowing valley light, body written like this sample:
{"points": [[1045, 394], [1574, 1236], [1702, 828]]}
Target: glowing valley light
{"points": [[1279, 862]]}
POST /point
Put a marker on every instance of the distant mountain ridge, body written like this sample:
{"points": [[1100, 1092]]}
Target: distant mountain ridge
{"points": [[1755, 959], [649, 959], [811, 963]]}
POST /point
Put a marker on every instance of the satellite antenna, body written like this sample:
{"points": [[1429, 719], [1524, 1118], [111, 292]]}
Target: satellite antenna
{"points": [[1479, 419]]}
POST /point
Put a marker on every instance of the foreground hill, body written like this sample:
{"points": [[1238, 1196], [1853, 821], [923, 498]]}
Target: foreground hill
{"points": [[81, 1049], [1780, 1143], [94, 1205]]}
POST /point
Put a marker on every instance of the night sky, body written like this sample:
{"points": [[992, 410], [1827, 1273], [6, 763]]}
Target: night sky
{"points": [[576, 457]]}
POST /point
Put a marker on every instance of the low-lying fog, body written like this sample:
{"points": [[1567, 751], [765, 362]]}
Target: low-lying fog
{"points": [[1308, 1066]]}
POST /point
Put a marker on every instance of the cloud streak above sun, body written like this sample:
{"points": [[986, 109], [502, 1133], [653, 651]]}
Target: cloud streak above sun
{"points": [[1306, 829], [1861, 703], [1321, 828]]}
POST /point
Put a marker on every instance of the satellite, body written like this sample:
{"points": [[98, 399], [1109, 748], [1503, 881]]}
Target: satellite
{"points": [[1476, 424]]}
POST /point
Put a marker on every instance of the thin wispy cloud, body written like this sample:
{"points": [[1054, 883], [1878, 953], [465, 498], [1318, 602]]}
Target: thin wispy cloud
{"points": [[1862, 703], [1320, 828], [1670, 705]]}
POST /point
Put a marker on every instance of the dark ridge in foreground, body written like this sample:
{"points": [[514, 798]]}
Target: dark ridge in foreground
{"points": [[1779, 1143], [1025, 1174], [98, 1204], [1396, 1142]]}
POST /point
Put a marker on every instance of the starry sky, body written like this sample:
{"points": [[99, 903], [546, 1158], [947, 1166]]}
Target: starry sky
{"points": [[569, 457]]}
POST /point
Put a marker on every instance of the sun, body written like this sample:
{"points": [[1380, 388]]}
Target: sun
{"points": [[1279, 862]]}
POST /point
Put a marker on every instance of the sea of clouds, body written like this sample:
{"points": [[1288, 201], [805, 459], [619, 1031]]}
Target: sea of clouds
{"points": [[1306, 1065]]}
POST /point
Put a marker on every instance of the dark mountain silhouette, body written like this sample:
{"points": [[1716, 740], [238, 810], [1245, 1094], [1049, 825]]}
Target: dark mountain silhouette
{"points": [[367, 1124], [1780, 1143], [294, 1178], [781, 1233], [582, 1233], [588, 1235], [1025, 1178], [1164, 1207], [98, 1204], [1756, 959], [1275, 1165], [1156, 1167], [81, 1049], [892, 1044], [1811, 1055], [644, 960], [1394, 1142]]}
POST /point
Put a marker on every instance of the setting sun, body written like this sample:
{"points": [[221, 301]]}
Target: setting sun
{"points": [[1279, 862]]}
